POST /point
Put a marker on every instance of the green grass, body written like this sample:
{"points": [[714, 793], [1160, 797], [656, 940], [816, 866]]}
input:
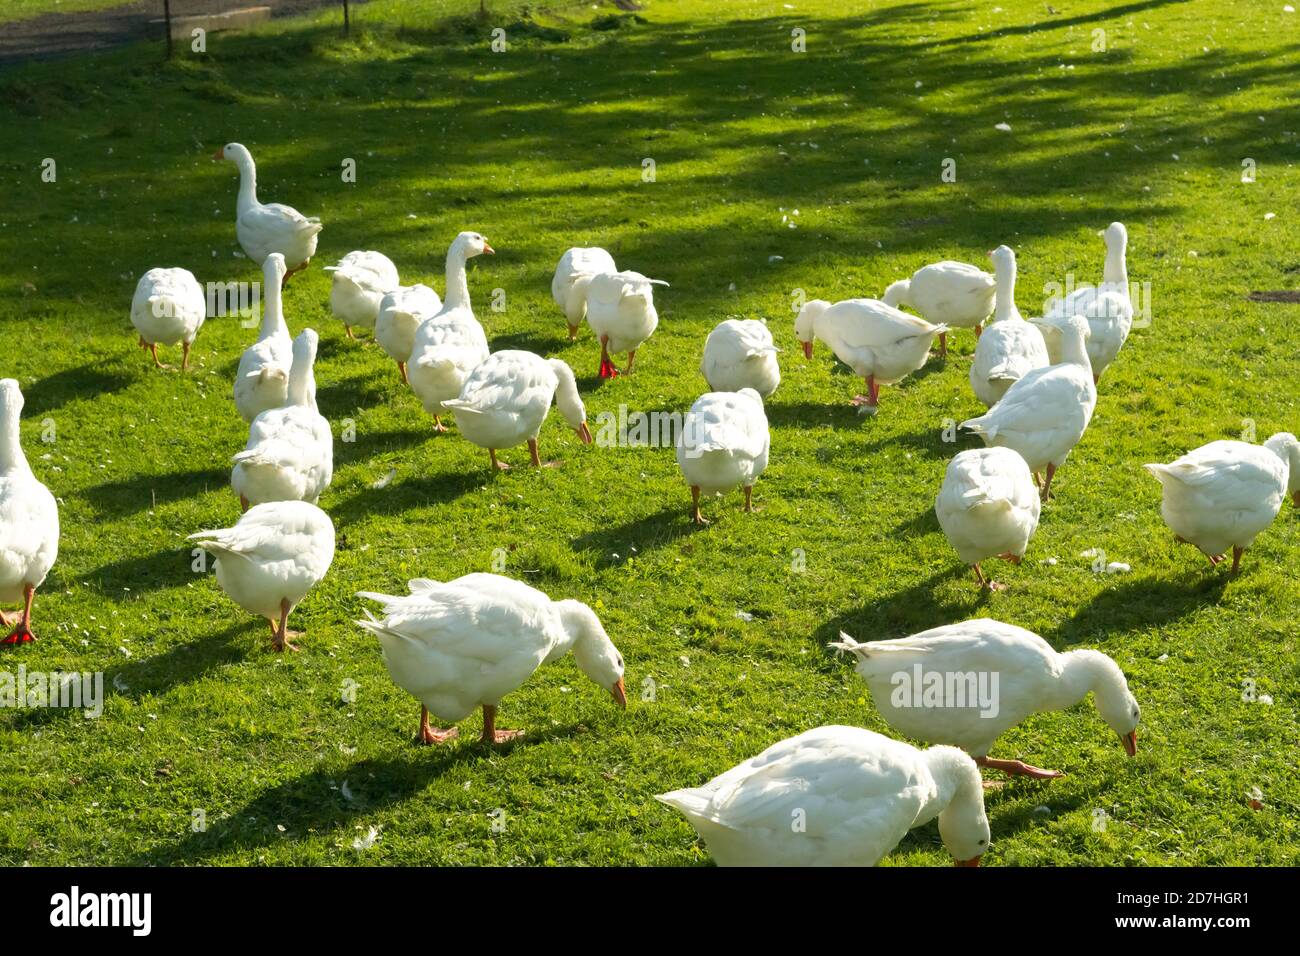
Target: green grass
{"points": [[541, 148]]}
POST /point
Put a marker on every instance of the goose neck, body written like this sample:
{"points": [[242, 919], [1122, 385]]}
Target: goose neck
{"points": [[457, 284]]}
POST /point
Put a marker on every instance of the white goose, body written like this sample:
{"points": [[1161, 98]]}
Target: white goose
{"points": [[573, 274], [1010, 347], [880, 343], [262, 380], [621, 311], [506, 398], [400, 314], [740, 353], [955, 294], [1045, 413], [1106, 306], [1222, 495], [271, 558], [447, 345], [988, 507], [1293, 460], [168, 307], [266, 228], [361, 279], [837, 796], [29, 521], [467, 643], [1005, 674], [290, 450], [723, 445]]}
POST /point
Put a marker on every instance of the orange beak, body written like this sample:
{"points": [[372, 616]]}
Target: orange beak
{"points": [[973, 861], [1131, 742], [807, 349], [619, 694], [488, 250], [584, 433], [220, 154]]}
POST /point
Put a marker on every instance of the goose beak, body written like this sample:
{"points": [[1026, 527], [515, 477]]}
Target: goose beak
{"points": [[619, 694], [488, 250], [973, 861], [807, 349], [1130, 742], [219, 154], [584, 433]]}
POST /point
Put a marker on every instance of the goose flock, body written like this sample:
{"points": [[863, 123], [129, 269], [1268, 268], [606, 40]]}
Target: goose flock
{"points": [[463, 645]]}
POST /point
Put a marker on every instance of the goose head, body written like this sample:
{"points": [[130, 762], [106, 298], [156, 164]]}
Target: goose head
{"points": [[805, 321], [1286, 447], [593, 651], [1088, 670], [569, 402], [273, 270], [963, 824], [11, 399], [1116, 236], [471, 244], [236, 153]]}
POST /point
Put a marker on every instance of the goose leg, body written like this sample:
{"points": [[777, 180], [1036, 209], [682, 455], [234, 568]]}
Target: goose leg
{"points": [[153, 350], [282, 632], [438, 426], [348, 330], [749, 498], [872, 398], [1047, 485], [428, 735], [185, 356], [243, 503], [22, 632], [607, 369], [943, 345], [695, 506], [497, 465], [1017, 768], [979, 330], [573, 333], [1236, 558], [490, 733], [986, 584], [1295, 497], [401, 370], [631, 357], [537, 458]]}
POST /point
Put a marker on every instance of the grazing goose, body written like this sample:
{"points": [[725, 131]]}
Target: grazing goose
{"points": [[400, 314], [1222, 495], [168, 307], [573, 274], [1106, 306], [467, 643], [447, 345], [290, 450], [621, 311], [1044, 414], [988, 507], [954, 294], [1010, 347], [880, 343], [29, 521], [723, 445], [264, 229], [506, 398], [740, 353], [361, 280], [836, 796], [271, 558], [966, 684], [262, 380]]}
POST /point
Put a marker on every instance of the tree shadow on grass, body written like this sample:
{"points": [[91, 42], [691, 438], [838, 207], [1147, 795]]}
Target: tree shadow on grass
{"points": [[87, 381], [541, 343], [313, 801], [165, 568], [1135, 605], [368, 443], [402, 496], [146, 491], [360, 391], [644, 533]]}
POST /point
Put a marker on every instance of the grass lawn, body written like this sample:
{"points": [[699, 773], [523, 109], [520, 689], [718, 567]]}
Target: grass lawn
{"points": [[541, 148]]}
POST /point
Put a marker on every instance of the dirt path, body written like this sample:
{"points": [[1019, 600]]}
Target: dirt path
{"points": [[64, 34]]}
